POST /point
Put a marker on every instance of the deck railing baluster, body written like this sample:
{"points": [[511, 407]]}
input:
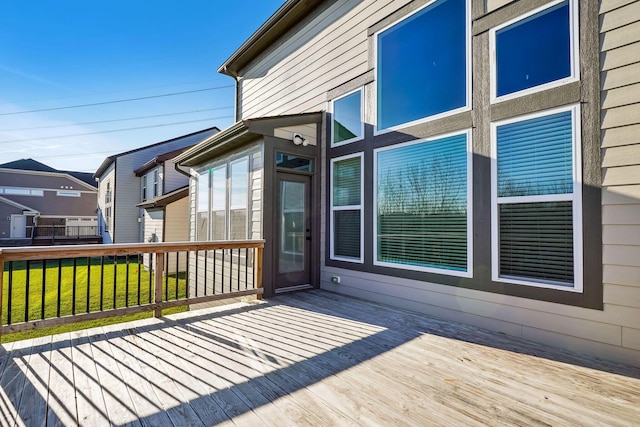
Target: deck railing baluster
{"points": [[101, 283], [75, 283], [26, 288], [88, 283], [139, 277], [196, 274], [215, 265], [43, 288], [126, 287], [10, 291], [115, 280], [59, 286]]}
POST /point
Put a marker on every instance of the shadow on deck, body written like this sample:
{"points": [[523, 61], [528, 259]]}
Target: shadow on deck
{"points": [[312, 358]]}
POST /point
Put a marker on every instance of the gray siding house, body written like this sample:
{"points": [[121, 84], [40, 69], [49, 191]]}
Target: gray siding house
{"points": [[121, 189], [475, 161], [38, 202]]}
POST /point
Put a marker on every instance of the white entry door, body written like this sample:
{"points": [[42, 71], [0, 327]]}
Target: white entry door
{"points": [[18, 226]]}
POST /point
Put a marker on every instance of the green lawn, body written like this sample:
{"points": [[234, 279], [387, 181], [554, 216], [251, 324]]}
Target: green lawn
{"points": [[128, 286]]}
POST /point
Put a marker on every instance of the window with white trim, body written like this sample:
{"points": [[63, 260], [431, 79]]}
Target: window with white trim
{"points": [[67, 193], [537, 199], [219, 202], [238, 198], [535, 51], [202, 210], [423, 205], [347, 124], [422, 65], [346, 208]]}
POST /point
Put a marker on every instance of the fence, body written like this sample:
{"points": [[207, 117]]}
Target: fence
{"points": [[50, 286]]}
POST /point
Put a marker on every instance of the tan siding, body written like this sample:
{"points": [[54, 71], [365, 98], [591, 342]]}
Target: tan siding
{"points": [[622, 175], [631, 338], [620, 116], [176, 228], [621, 96], [620, 156], [620, 57], [621, 214], [621, 36], [621, 255], [619, 77], [621, 295], [611, 5], [621, 136], [621, 235], [620, 17], [621, 275]]}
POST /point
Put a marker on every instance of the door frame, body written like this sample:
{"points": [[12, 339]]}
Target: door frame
{"points": [[24, 218], [273, 145]]}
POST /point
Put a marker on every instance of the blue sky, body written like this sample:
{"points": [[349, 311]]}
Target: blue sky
{"points": [[73, 52]]}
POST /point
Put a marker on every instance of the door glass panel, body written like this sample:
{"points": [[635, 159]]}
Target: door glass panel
{"points": [[292, 218]]}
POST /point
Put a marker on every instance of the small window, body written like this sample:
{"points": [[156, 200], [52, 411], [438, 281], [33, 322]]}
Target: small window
{"points": [[347, 121], [219, 202], [144, 188], [202, 211], [423, 202], [156, 183], [422, 66], [66, 193], [346, 208], [17, 191], [290, 161], [534, 52], [537, 200]]}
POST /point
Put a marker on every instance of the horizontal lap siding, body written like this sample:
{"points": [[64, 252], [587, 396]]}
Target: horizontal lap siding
{"points": [[620, 65], [298, 82]]}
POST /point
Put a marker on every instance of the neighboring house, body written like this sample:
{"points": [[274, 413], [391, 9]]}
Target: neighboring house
{"points": [[126, 179], [477, 161], [39, 204]]}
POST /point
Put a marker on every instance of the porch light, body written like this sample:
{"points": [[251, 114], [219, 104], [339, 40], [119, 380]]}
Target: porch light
{"points": [[299, 139]]}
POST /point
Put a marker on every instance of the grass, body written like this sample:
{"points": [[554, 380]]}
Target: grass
{"points": [[122, 285]]}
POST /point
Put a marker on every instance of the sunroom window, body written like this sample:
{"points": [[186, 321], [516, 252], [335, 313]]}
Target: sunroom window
{"points": [[537, 238], [422, 68], [347, 122], [423, 206], [238, 199], [536, 51], [202, 203], [346, 208], [219, 202]]}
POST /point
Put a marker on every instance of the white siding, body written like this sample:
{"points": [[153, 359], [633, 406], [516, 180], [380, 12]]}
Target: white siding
{"points": [[107, 177], [333, 48], [172, 178]]}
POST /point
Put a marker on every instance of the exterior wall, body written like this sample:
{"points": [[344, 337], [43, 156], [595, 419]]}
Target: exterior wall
{"points": [[6, 211], [172, 178], [620, 79], [105, 223], [176, 227], [153, 229], [332, 49]]}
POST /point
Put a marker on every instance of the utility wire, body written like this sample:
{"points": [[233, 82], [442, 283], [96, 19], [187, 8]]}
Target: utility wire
{"points": [[118, 120], [114, 130], [116, 101]]}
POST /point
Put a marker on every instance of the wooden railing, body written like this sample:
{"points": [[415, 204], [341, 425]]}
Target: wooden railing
{"points": [[66, 231], [51, 286]]}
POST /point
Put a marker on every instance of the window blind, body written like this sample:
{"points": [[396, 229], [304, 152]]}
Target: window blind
{"points": [[347, 207]]}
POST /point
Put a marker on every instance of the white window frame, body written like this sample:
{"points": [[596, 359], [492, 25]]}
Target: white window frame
{"points": [[225, 208], [575, 198], [208, 209], [348, 208], [466, 107], [332, 110], [444, 271], [573, 46], [67, 193], [231, 207]]}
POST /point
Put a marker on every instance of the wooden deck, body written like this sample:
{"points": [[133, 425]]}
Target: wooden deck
{"points": [[312, 358]]}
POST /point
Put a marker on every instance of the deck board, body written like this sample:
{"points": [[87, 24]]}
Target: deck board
{"points": [[309, 358]]}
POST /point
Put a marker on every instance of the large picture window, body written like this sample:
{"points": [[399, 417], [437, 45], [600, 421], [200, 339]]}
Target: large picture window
{"points": [[346, 208], [347, 125], [202, 211], [423, 202], [422, 65], [534, 52], [537, 200]]}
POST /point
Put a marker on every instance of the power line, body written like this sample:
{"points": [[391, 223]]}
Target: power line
{"points": [[115, 130], [116, 101], [118, 120]]}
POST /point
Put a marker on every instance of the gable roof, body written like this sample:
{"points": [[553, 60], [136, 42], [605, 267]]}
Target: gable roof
{"points": [[31, 165], [285, 18], [107, 161], [17, 205], [160, 159], [28, 165]]}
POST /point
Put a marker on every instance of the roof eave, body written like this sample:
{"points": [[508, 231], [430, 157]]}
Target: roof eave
{"points": [[285, 18]]}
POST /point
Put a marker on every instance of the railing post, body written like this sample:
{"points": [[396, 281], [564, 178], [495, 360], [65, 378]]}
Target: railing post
{"points": [[258, 271], [159, 266], [1, 290]]}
